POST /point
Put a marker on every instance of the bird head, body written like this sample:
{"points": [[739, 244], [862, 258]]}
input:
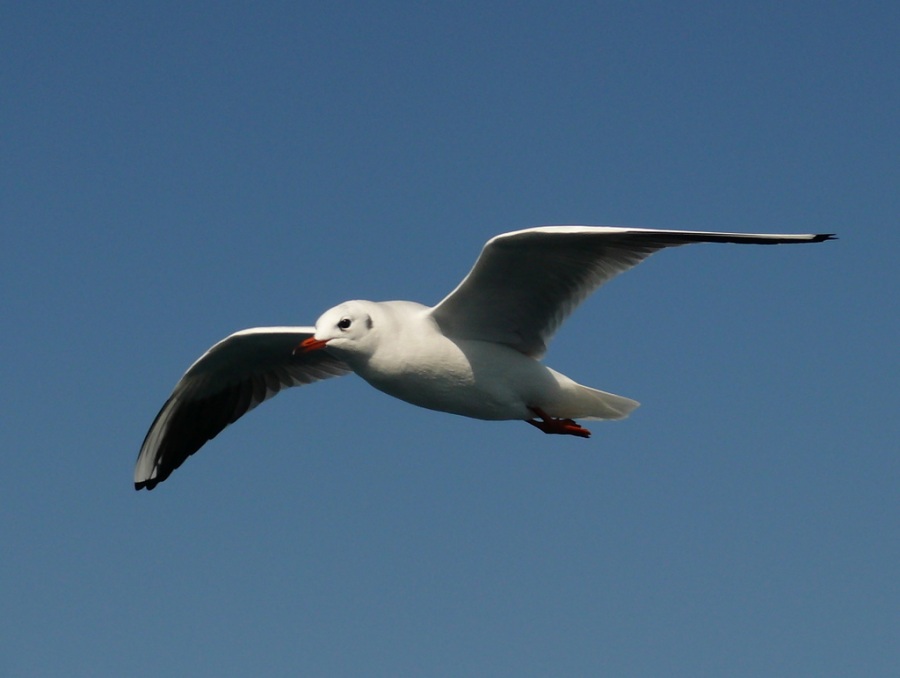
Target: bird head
{"points": [[345, 329]]}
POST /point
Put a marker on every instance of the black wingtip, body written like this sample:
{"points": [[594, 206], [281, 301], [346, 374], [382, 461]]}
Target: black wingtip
{"points": [[146, 484], [820, 237]]}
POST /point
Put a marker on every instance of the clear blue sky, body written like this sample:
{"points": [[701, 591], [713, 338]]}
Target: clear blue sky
{"points": [[172, 172]]}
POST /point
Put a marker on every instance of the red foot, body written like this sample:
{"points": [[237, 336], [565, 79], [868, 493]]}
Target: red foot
{"points": [[554, 425]]}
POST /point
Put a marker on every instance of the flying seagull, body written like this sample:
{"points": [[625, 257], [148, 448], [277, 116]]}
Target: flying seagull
{"points": [[476, 353]]}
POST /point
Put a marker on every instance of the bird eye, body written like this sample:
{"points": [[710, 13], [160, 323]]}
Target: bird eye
{"points": [[344, 324]]}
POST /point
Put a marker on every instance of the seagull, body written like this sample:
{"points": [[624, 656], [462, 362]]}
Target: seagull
{"points": [[476, 353]]}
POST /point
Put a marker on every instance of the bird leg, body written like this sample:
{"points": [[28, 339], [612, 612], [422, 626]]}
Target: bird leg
{"points": [[550, 424]]}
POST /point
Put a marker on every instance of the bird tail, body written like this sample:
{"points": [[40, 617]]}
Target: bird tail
{"points": [[596, 404]]}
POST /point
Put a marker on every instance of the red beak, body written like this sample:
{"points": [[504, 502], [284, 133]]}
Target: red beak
{"points": [[310, 344]]}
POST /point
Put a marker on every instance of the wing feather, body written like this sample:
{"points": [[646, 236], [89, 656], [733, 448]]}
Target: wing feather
{"points": [[526, 283], [230, 379]]}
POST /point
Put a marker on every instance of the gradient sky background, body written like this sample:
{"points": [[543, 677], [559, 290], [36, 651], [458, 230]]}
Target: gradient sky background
{"points": [[172, 172]]}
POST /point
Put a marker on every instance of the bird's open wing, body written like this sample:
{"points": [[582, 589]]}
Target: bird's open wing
{"points": [[526, 283], [226, 382]]}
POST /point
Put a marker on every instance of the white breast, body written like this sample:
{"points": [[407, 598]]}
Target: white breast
{"points": [[471, 378]]}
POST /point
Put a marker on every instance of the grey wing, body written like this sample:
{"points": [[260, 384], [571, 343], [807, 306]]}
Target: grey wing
{"points": [[526, 283], [226, 382]]}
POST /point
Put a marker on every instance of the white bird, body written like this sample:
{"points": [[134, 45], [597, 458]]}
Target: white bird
{"points": [[476, 353]]}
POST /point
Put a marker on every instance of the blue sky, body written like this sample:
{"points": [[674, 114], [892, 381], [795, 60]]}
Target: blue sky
{"points": [[173, 172]]}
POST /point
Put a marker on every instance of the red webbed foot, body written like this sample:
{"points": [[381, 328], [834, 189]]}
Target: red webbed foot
{"points": [[549, 424]]}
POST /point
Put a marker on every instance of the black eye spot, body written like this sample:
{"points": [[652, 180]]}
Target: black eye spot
{"points": [[344, 324]]}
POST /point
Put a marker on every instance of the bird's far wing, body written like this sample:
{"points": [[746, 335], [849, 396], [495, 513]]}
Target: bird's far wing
{"points": [[526, 283], [225, 383]]}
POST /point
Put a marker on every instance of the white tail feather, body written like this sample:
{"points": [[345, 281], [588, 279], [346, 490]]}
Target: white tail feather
{"points": [[602, 405]]}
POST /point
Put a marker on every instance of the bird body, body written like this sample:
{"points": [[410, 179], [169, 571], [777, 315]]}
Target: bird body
{"points": [[414, 361], [476, 353]]}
